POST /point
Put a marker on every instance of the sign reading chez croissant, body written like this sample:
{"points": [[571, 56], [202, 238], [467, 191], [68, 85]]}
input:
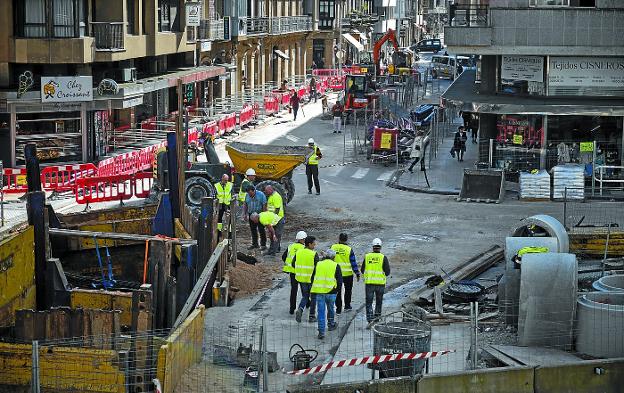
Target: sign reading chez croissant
{"points": [[66, 88]]}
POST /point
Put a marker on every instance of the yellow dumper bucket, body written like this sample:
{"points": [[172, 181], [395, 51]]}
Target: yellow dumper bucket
{"points": [[269, 162]]}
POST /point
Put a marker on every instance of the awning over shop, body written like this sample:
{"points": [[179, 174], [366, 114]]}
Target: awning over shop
{"points": [[464, 95], [281, 54], [353, 42]]}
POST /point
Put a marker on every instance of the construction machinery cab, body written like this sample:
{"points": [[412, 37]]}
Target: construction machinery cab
{"points": [[356, 88]]}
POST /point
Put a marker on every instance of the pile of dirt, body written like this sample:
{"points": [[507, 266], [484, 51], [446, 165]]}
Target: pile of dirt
{"points": [[250, 279]]}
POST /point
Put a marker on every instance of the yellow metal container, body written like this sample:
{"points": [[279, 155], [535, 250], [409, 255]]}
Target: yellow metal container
{"points": [[269, 162]]}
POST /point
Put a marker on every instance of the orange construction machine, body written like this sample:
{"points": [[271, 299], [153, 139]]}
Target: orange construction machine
{"points": [[401, 61]]}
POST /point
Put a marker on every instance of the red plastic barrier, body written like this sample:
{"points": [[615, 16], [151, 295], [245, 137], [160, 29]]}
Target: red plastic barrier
{"points": [[104, 189], [222, 122], [245, 116], [193, 135], [211, 128], [336, 83], [63, 178], [142, 184], [230, 122], [303, 90], [256, 110], [384, 139], [15, 180], [106, 167], [271, 105]]}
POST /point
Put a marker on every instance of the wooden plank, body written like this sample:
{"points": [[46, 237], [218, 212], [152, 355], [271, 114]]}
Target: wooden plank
{"points": [[536, 356], [171, 313], [114, 235], [502, 357]]}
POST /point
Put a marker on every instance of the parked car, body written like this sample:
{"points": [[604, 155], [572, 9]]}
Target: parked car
{"points": [[428, 45], [446, 66]]}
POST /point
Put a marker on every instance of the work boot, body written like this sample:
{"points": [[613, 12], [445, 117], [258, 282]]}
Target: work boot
{"points": [[333, 326], [321, 336], [348, 308], [298, 315], [318, 193], [310, 192], [312, 319]]}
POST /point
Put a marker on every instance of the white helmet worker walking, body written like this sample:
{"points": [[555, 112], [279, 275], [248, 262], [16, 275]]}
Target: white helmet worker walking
{"points": [[301, 235], [312, 167], [376, 242]]}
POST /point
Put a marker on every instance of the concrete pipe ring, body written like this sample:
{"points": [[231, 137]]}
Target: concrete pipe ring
{"points": [[613, 283], [551, 225], [599, 318]]}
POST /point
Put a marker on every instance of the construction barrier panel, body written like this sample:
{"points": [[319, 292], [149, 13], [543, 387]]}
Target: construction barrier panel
{"points": [[63, 178], [211, 128], [271, 105], [245, 116], [104, 189], [230, 122], [14, 180], [142, 184]]}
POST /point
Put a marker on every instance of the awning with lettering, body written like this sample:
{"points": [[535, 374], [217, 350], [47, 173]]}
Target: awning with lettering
{"points": [[350, 39]]}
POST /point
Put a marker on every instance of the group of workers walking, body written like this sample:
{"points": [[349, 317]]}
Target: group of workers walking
{"points": [[321, 277]]}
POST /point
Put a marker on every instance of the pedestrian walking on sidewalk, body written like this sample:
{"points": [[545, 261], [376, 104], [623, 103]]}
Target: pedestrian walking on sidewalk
{"points": [[345, 258], [474, 127], [255, 202], [294, 104], [274, 225], [337, 111], [459, 143], [375, 270], [289, 268], [325, 281], [313, 90], [304, 261], [312, 171]]}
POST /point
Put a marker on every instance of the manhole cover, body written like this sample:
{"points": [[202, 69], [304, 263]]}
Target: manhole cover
{"points": [[418, 237]]}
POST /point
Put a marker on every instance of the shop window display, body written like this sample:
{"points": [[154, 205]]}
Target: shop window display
{"points": [[58, 136], [519, 142]]}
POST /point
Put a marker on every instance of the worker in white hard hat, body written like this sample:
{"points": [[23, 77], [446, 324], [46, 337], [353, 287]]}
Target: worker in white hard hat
{"points": [[312, 170], [224, 195], [289, 269], [375, 270], [248, 180]]}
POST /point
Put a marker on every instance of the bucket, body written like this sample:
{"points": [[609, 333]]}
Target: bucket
{"points": [[401, 335]]}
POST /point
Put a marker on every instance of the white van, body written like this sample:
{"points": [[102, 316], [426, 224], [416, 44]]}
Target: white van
{"points": [[445, 66]]}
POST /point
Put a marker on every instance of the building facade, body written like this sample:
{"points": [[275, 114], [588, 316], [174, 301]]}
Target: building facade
{"points": [[549, 88]]}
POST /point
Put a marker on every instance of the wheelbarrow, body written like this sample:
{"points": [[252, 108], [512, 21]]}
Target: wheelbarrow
{"points": [[274, 165]]}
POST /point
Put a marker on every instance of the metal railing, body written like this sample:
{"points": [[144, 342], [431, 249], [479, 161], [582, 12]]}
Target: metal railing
{"points": [[256, 25], [290, 24], [607, 174], [108, 35], [468, 15], [211, 30]]}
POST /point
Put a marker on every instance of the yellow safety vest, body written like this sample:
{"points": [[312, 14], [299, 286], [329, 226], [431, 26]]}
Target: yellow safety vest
{"points": [[275, 202], [325, 277], [292, 250], [343, 254], [373, 270], [224, 194], [314, 160], [242, 193], [304, 265], [532, 250], [268, 218]]}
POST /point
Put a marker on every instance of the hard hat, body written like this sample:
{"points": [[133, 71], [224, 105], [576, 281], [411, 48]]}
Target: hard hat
{"points": [[250, 172], [311, 141], [376, 242], [301, 235], [330, 254]]}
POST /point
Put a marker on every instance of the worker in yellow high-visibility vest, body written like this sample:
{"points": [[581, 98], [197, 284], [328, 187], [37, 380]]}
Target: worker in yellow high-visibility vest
{"points": [[224, 195], [289, 268], [312, 171], [275, 202], [274, 225], [345, 257], [304, 261], [375, 270], [250, 177], [325, 280]]}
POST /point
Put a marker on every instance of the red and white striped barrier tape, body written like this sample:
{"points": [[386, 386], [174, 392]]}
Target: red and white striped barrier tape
{"points": [[368, 360]]}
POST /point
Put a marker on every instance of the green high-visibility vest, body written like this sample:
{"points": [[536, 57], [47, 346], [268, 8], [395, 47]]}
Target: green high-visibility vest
{"points": [[343, 255], [373, 271], [532, 250], [275, 202], [314, 160], [242, 193], [290, 255], [325, 277], [304, 265], [268, 218], [224, 194]]}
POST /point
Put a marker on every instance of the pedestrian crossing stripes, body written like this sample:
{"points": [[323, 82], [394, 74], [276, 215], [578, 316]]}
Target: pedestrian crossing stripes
{"points": [[292, 138], [385, 176], [335, 171], [360, 173]]}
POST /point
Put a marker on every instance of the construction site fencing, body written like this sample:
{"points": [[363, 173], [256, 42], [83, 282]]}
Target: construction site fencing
{"points": [[259, 354]]}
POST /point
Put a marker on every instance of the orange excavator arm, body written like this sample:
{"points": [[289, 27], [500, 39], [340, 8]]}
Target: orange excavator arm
{"points": [[391, 36]]}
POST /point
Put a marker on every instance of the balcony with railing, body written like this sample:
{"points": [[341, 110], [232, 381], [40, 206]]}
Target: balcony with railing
{"points": [[211, 30], [469, 25], [255, 25], [468, 15], [290, 24], [109, 36]]}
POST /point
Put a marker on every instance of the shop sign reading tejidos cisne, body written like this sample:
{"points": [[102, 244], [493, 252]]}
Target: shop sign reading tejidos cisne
{"points": [[66, 88], [586, 71]]}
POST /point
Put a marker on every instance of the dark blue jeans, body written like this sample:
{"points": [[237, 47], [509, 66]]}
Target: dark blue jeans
{"points": [[307, 298], [374, 292]]}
